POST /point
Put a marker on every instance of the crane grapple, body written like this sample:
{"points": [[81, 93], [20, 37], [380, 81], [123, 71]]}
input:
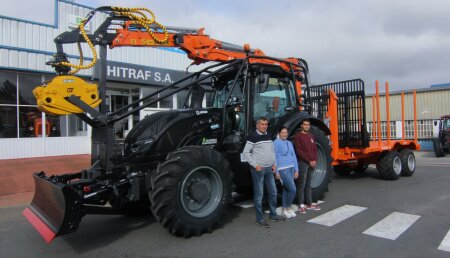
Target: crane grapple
{"points": [[52, 97]]}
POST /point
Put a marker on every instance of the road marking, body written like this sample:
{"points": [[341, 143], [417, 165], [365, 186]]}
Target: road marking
{"points": [[392, 226], [335, 216], [445, 244]]}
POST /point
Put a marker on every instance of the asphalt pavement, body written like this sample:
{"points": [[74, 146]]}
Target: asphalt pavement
{"points": [[361, 216]]}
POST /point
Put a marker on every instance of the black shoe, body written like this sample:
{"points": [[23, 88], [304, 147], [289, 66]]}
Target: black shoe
{"points": [[278, 219], [263, 224]]}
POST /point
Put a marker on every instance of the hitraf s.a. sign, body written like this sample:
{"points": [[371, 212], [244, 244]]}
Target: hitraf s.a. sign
{"points": [[117, 71]]}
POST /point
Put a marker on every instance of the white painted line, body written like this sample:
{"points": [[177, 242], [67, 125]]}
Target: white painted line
{"points": [[245, 204], [392, 226], [445, 244], [335, 216]]}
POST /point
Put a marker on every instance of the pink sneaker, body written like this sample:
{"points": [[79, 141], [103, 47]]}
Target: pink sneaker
{"points": [[313, 206], [302, 209]]}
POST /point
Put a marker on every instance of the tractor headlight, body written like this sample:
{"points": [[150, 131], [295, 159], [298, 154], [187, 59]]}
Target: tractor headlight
{"points": [[142, 146]]}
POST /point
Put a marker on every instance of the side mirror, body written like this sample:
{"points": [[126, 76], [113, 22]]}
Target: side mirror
{"points": [[263, 82]]}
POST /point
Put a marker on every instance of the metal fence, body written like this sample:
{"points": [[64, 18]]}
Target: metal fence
{"points": [[351, 110], [424, 129]]}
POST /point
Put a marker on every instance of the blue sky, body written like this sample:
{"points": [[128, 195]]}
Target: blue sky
{"points": [[404, 42]]}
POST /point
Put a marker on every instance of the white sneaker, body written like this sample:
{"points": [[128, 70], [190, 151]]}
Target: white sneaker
{"points": [[292, 213], [286, 213]]}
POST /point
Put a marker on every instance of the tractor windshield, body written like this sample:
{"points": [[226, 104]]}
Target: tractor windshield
{"points": [[446, 123], [219, 98], [274, 101]]}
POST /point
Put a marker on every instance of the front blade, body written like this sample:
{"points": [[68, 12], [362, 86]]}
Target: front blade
{"points": [[56, 208]]}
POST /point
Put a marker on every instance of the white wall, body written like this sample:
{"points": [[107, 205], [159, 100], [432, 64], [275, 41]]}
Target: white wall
{"points": [[16, 148]]}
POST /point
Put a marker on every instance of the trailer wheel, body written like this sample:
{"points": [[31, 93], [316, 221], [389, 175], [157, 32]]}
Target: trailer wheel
{"points": [[438, 150], [191, 190], [408, 162], [342, 170], [321, 176], [389, 165]]}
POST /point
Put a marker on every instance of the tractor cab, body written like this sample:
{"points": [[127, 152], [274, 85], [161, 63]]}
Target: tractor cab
{"points": [[265, 91]]}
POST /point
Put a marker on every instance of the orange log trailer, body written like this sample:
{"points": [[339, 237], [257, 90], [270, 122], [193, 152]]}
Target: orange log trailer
{"points": [[342, 106]]}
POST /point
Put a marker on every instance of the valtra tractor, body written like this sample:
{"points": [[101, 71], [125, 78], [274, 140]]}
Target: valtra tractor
{"points": [[441, 144], [185, 163]]}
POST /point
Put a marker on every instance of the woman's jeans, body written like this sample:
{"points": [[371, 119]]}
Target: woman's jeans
{"points": [[289, 189]]}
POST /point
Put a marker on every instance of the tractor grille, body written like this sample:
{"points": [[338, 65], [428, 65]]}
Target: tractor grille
{"points": [[351, 110]]}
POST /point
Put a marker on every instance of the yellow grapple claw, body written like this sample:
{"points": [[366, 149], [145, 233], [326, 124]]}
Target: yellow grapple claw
{"points": [[51, 97]]}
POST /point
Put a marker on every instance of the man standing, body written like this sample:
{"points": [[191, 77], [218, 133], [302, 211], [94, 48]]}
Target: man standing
{"points": [[259, 152], [306, 150]]}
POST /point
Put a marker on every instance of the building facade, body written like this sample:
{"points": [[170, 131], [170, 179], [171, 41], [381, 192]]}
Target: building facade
{"points": [[25, 46], [431, 104]]}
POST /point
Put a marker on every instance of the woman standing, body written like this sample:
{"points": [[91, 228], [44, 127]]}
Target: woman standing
{"points": [[287, 170]]}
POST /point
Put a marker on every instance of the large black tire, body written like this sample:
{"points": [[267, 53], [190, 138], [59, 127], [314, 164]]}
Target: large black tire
{"points": [[408, 162], [322, 173], [390, 165], [342, 170], [191, 190], [438, 150]]}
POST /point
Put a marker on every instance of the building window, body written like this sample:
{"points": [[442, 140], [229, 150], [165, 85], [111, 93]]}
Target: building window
{"points": [[8, 121], [19, 115]]}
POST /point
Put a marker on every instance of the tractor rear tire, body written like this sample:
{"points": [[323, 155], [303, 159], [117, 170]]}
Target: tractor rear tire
{"points": [[342, 170], [321, 176], [438, 150], [191, 190], [408, 162], [390, 165]]}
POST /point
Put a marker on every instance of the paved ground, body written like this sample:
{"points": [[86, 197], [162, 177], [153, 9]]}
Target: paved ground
{"points": [[16, 175], [416, 210]]}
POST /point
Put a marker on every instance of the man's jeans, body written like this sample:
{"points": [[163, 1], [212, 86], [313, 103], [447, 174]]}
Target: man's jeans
{"points": [[304, 184], [261, 178], [289, 188]]}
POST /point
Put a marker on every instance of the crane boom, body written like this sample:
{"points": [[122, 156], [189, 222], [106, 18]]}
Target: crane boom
{"points": [[124, 28]]}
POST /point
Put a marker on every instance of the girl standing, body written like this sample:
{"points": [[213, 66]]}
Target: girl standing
{"points": [[287, 170]]}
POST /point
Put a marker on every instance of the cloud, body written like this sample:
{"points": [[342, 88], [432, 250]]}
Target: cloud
{"points": [[404, 42]]}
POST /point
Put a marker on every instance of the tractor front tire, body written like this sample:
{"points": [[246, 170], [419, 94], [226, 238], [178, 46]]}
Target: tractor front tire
{"points": [[438, 150], [321, 176], [390, 165], [191, 190], [408, 162]]}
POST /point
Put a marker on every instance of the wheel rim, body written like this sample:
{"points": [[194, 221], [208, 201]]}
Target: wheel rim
{"points": [[411, 162], [397, 165], [320, 171], [201, 192]]}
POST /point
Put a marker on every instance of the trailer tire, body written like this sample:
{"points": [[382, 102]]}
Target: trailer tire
{"points": [[438, 150], [342, 170], [390, 165], [191, 190], [321, 176], [408, 162]]}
